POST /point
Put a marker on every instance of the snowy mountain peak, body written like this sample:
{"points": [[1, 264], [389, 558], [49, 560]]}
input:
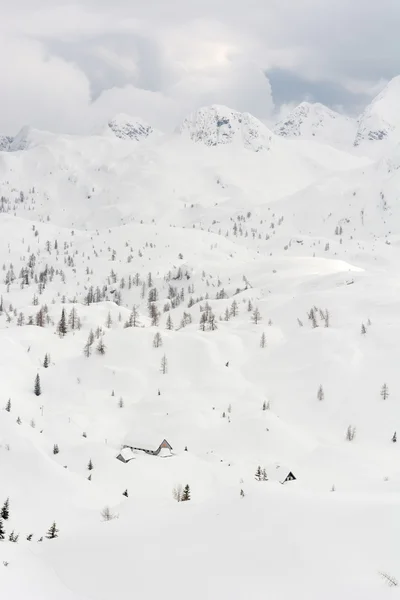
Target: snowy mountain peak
{"points": [[381, 119], [316, 121], [215, 125], [5, 141], [129, 128], [28, 137]]}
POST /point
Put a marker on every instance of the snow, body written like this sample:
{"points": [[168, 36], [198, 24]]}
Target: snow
{"points": [[314, 121], [381, 121], [215, 125], [293, 225], [128, 128]]}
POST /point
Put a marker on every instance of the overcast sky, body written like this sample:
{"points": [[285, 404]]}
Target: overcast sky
{"points": [[68, 65]]}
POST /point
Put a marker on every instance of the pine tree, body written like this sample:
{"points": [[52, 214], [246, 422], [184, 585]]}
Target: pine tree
{"points": [[256, 316], [87, 349], [157, 341], [46, 361], [264, 475], [385, 392], [394, 438], [264, 406], [8, 405], [29, 537], [73, 318], [164, 365], [13, 537], [90, 465], [101, 347], [186, 493], [5, 511], [234, 309], [62, 324], [258, 474], [56, 449], [37, 388], [2, 530], [109, 320], [320, 393], [52, 532], [169, 324], [363, 329], [263, 341], [125, 493]]}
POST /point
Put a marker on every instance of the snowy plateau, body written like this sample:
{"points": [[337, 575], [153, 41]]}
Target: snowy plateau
{"points": [[199, 362]]}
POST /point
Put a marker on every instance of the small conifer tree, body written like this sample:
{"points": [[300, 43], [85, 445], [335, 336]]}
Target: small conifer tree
{"points": [[385, 392], [2, 530], [186, 493], [258, 474], [90, 465], [52, 532], [8, 405], [37, 387], [62, 324], [5, 511]]}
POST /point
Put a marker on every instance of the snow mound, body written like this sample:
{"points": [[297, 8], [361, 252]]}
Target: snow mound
{"points": [[316, 121], [215, 125], [129, 128], [381, 119]]}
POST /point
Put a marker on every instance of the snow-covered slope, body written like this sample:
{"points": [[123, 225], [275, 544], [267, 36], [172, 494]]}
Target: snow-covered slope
{"points": [[380, 122], [316, 121], [215, 125], [125, 127], [241, 305]]}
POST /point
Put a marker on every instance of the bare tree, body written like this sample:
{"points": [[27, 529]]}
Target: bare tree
{"points": [[350, 433], [164, 365], [256, 316], [390, 580], [107, 514], [177, 492], [157, 340]]}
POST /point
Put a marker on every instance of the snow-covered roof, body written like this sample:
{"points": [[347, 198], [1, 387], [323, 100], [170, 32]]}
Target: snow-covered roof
{"points": [[278, 472]]}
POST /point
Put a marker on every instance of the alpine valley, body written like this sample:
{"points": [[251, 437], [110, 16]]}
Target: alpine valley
{"points": [[199, 358]]}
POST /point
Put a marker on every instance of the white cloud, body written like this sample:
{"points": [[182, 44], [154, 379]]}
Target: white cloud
{"points": [[67, 63]]}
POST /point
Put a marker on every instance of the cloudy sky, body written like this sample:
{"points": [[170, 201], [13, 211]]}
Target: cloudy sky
{"points": [[68, 65]]}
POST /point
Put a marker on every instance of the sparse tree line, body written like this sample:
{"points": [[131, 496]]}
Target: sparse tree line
{"points": [[51, 534]]}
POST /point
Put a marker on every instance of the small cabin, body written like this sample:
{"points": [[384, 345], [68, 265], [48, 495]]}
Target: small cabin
{"points": [[280, 473], [164, 446], [289, 477], [125, 455]]}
